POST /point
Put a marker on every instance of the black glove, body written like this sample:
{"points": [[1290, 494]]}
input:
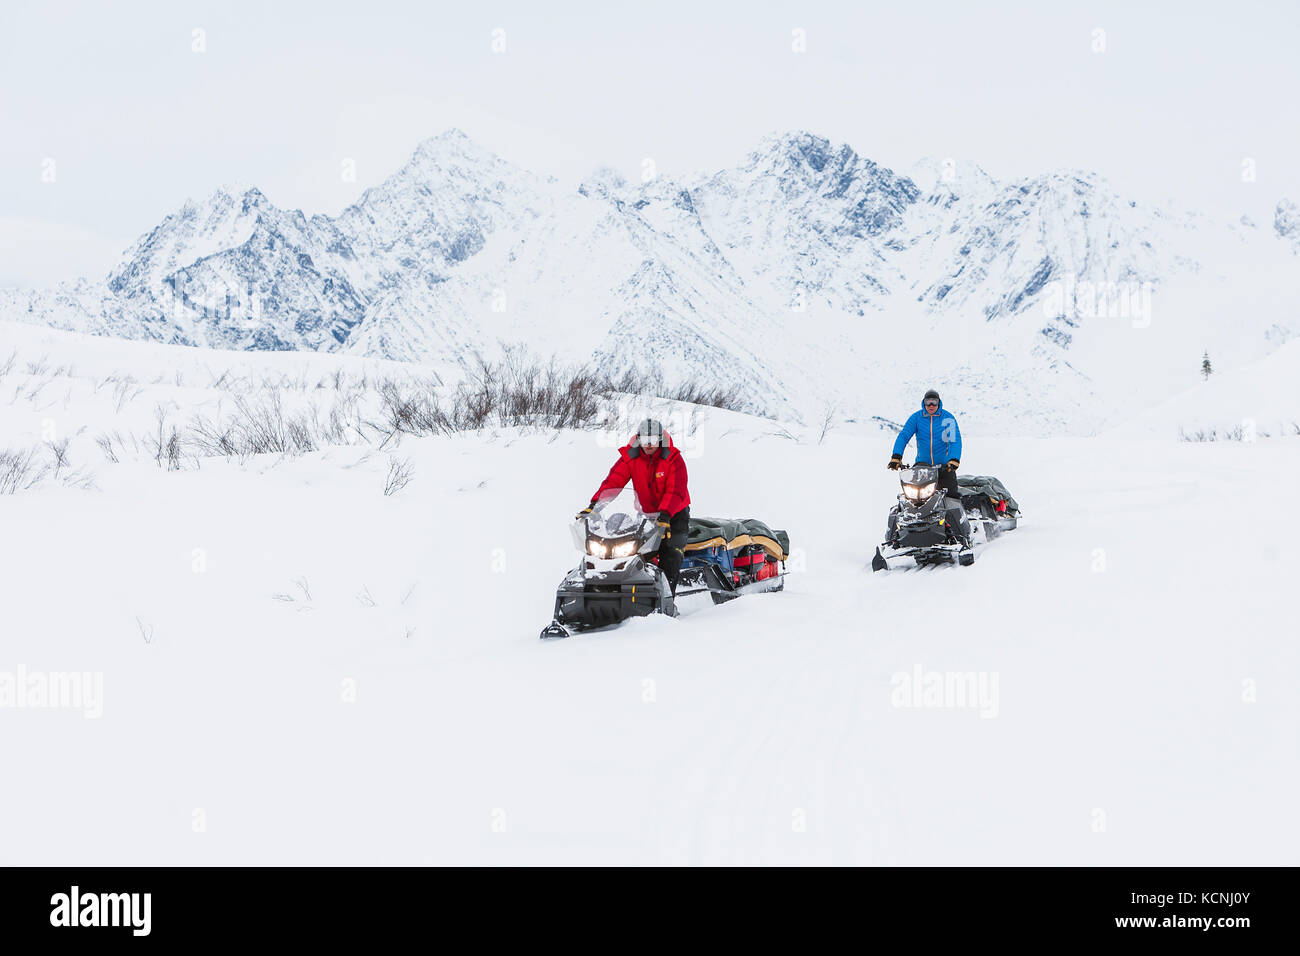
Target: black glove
{"points": [[584, 512], [895, 463], [663, 521], [952, 464]]}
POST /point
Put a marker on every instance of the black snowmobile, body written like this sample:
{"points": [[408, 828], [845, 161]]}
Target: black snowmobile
{"points": [[617, 577], [927, 527]]}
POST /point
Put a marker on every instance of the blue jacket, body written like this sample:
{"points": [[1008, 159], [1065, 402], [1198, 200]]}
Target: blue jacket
{"points": [[937, 437]]}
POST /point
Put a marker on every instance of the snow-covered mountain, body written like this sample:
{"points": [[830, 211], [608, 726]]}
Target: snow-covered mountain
{"points": [[238, 272], [807, 274]]}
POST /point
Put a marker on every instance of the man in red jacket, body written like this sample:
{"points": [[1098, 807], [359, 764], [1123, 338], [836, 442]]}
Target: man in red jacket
{"points": [[658, 476]]}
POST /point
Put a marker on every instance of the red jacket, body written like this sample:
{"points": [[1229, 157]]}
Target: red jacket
{"points": [[658, 477]]}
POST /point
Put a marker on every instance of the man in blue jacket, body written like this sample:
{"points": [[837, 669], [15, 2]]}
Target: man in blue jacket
{"points": [[938, 442]]}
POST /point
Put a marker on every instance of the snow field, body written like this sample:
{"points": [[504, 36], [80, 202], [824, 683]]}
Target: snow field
{"points": [[299, 668]]}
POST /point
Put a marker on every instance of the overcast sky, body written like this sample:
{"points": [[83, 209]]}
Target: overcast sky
{"points": [[135, 120]]}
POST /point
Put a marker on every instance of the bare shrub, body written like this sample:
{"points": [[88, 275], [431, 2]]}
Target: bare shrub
{"points": [[258, 427], [413, 412], [1236, 433], [172, 451], [19, 470], [519, 392], [166, 441], [263, 427], [828, 420], [400, 473], [59, 450], [105, 443], [515, 391], [124, 391], [212, 438], [712, 396]]}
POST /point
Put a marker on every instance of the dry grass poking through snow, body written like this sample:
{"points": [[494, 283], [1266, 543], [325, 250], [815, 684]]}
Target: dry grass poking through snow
{"points": [[176, 425]]}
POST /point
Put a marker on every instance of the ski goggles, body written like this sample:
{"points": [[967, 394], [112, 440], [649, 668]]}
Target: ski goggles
{"points": [[931, 404], [648, 441]]}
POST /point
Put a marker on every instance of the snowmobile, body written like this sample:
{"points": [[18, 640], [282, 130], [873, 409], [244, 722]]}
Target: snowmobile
{"points": [[927, 527], [615, 579], [619, 577]]}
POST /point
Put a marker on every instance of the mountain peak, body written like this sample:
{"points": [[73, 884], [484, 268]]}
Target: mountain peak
{"points": [[934, 174], [450, 145], [229, 194], [802, 148], [835, 168], [604, 182], [238, 189]]}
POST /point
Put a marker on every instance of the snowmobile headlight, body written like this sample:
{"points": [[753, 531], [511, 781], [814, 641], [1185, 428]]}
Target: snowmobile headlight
{"points": [[911, 491], [626, 549], [928, 490], [596, 548]]}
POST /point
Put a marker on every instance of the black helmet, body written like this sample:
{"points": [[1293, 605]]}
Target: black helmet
{"points": [[931, 394]]}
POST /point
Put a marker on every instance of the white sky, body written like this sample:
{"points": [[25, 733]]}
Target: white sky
{"points": [[136, 122]]}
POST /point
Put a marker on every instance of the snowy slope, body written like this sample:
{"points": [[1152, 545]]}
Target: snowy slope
{"points": [[297, 668], [1252, 403]]}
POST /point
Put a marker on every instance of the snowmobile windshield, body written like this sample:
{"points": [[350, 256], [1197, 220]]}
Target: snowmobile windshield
{"points": [[619, 529], [919, 483], [919, 475], [618, 517], [619, 524]]}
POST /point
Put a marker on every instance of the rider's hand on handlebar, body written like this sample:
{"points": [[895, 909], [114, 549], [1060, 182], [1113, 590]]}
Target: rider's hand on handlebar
{"points": [[895, 463], [584, 512], [952, 464]]}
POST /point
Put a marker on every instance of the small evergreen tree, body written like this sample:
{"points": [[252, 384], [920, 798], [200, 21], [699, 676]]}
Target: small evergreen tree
{"points": [[1205, 367]]}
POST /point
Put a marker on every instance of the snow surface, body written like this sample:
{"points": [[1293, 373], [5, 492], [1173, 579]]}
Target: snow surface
{"points": [[299, 669]]}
